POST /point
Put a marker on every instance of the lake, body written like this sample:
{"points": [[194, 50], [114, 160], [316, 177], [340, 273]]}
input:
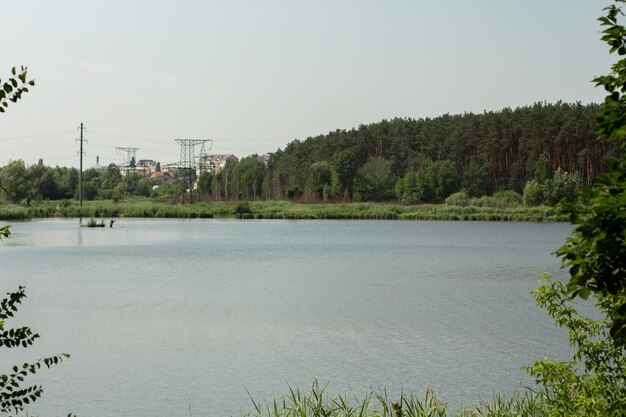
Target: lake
{"points": [[185, 317]]}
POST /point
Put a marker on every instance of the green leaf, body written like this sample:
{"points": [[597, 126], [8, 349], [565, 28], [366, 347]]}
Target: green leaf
{"points": [[584, 293]]}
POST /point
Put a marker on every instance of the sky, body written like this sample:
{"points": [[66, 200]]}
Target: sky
{"points": [[255, 75]]}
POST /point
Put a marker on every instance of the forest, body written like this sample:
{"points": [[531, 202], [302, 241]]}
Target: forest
{"points": [[540, 153]]}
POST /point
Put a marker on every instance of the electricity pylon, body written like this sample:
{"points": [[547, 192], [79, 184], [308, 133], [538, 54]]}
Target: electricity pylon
{"points": [[188, 162]]}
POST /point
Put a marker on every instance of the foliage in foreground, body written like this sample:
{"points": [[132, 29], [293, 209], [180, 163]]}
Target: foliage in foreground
{"points": [[13, 88], [13, 395], [595, 254], [316, 402], [593, 383]]}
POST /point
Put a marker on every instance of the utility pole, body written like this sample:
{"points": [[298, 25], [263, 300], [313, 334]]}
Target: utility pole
{"points": [[80, 172]]}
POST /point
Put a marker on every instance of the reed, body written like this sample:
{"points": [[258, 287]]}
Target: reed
{"points": [[147, 208], [316, 402]]}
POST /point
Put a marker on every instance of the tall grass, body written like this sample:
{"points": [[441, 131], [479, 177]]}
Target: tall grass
{"points": [[147, 208], [316, 402]]}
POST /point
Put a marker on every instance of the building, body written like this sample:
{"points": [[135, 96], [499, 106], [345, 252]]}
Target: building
{"points": [[216, 162]]}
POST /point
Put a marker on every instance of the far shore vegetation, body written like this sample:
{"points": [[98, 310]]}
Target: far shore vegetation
{"points": [[484, 209]]}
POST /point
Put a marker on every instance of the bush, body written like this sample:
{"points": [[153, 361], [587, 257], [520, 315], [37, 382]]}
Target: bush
{"points": [[507, 198], [533, 193], [562, 185], [460, 199], [593, 383], [293, 192], [242, 207]]}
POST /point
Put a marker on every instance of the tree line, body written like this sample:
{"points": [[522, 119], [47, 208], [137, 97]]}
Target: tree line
{"points": [[544, 152], [487, 152]]}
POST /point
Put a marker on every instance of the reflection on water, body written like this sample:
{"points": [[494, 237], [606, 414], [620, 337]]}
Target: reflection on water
{"points": [[163, 315]]}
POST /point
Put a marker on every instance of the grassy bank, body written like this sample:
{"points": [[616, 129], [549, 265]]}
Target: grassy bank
{"points": [[146, 208]]}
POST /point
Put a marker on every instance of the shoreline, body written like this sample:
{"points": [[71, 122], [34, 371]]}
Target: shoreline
{"points": [[277, 209]]}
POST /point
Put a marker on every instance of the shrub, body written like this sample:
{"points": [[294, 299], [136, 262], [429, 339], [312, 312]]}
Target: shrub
{"points": [[460, 199], [242, 207], [593, 383], [507, 198], [533, 193]]}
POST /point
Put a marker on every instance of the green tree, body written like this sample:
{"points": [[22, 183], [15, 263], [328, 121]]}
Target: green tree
{"points": [[562, 185], [543, 169], [447, 179], [37, 181], [433, 181], [109, 179], [144, 187], [516, 177], [91, 184], [474, 180], [375, 180], [418, 186], [559, 185], [67, 181], [130, 183], [205, 183], [344, 171], [319, 179], [13, 181], [533, 193], [47, 187], [248, 177], [408, 189]]}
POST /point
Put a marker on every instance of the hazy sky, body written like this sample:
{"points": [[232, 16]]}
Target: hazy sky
{"points": [[254, 75]]}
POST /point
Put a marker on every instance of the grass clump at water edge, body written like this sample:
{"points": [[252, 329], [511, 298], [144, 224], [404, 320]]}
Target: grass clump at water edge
{"points": [[377, 403]]}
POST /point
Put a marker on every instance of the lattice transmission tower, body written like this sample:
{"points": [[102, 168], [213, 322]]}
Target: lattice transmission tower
{"points": [[188, 157], [131, 154], [188, 161]]}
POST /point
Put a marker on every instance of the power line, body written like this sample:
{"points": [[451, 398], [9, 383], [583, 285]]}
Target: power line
{"points": [[42, 135], [113, 135], [148, 150]]}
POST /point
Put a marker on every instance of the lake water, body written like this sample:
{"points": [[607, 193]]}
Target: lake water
{"points": [[179, 317]]}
